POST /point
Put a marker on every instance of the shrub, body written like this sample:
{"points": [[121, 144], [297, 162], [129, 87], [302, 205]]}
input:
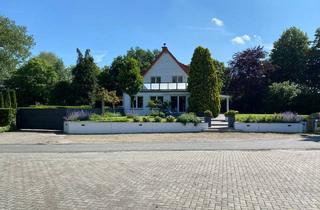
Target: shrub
{"points": [[146, 119], [290, 117], [103, 118], [7, 117], [4, 129], [170, 118], [315, 115], [156, 113], [188, 118], [136, 119], [130, 116], [231, 113], [162, 114], [58, 107], [157, 119], [207, 113], [112, 114], [281, 96], [77, 116]]}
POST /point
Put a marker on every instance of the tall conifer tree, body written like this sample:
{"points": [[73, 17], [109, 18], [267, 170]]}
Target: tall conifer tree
{"points": [[203, 83]]}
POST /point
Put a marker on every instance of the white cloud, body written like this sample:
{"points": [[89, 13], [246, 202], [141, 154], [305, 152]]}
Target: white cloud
{"points": [[217, 21], [241, 39]]}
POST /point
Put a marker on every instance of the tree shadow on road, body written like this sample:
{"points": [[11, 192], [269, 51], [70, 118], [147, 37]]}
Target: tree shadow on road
{"points": [[308, 137]]}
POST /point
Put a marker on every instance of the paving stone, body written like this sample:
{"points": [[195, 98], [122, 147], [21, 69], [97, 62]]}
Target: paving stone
{"points": [[161, 180]]}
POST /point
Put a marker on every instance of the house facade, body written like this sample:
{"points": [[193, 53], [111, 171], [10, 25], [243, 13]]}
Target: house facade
{"points": [[166, 80]]}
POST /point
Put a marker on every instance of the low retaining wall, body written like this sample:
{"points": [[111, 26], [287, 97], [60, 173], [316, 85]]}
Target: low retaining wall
{"points": [[271, 127], [90, 127]]}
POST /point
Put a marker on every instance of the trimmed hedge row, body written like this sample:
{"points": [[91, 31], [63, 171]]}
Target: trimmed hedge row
{"points": [[7, 117]]}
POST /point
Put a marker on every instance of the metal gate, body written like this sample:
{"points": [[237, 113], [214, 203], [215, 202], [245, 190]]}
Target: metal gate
{"points": [[28, 118]]}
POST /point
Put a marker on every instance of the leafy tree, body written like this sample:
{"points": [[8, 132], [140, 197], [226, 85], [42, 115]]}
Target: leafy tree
{"points": [[282, 95], [15, 45], [313, 64], [113, 99], [203, 83], [144, 57], [108, 78], [307, 101], [129, 77], [84, 79], [33, 82], [107, 96], [13, 97], [7, 99], [249, 79], [1, 100], [57, 65], [222, 74], [61, 93], [289, 55], [102, 95]]}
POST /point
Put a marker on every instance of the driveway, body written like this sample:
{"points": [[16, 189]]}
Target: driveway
{"points": [[163, 171], [161, 180]]}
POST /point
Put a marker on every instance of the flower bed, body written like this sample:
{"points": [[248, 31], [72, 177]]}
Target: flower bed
{"points": [[286, 122], [86, 123]]}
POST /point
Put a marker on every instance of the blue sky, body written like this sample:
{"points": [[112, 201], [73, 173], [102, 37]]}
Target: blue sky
{"points": [[110, 28]]}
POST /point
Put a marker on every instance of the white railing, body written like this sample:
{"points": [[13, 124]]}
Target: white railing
{"points": [[165, 86]]}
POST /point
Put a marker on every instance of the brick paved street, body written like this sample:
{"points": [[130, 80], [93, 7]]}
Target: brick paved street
{"points": [[161, 180]]}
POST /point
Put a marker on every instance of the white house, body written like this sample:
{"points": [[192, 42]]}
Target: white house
{"points": [[165, 80]]}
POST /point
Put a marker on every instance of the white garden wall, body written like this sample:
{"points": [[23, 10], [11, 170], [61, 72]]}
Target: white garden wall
{"points": [[90, 127], [271, 127]]}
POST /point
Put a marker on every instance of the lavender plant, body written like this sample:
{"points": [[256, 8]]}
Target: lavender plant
{"points": [[77, 116], [290, 117]]}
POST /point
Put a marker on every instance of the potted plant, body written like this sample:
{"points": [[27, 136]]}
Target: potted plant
{"points": [[207, 117], [231, 115]]}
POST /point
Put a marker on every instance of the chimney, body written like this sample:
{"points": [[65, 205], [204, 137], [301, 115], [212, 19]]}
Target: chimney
{"points": [[164, 47]]}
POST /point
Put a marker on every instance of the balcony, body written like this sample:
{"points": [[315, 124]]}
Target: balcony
{"points": [[165, 86]]}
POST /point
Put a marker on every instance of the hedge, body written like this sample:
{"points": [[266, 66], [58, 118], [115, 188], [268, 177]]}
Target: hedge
{"points": [[270, 118], [7, 117], [57, 107]]}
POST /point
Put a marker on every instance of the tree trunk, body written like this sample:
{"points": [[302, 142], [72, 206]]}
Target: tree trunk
{"points": [[102, 107]]}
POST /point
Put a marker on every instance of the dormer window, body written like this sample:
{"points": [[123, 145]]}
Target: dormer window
{"points": [[155, 79], [177, 79]]}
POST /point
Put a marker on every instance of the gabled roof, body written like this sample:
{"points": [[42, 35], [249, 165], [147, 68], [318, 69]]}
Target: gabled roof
{"points": [[184, 67]]}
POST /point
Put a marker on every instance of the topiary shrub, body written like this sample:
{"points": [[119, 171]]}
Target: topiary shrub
{"points": [[231, 113], [207, 113], [189, 118], [157, 119]]}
